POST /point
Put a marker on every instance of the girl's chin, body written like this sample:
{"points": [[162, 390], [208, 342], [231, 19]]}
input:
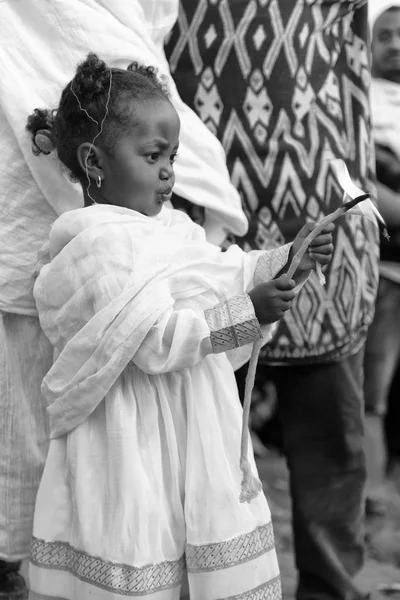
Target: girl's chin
{"points": [[155, 210]]}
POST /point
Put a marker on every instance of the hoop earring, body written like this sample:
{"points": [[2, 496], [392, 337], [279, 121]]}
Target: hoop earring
{"points": [[98, 181]]}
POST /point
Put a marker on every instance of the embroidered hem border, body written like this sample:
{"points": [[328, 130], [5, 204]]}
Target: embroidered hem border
{"points": [[125, 579], [271, 590], [223, 555], [111, 577]]}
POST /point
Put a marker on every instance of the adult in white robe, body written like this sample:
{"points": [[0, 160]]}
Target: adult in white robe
{"points": [[40, 44]]}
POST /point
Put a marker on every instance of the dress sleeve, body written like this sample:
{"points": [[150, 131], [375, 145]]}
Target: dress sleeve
{"points": [[269, 264], [182, 338], [259, 267]]}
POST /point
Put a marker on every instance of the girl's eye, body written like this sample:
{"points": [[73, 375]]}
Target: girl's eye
{"points": [[172, 158], [153, 157]]}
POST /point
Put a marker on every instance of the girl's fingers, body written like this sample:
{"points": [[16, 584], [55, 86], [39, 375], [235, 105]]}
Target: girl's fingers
{"points": [[283, 283], [321, 240], [287, 296], [323, 259], [284, 306], [322, 254], [327, 249]]}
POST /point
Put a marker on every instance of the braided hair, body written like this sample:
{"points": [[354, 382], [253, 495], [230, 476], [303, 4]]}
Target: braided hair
{"points": [[94, 105]]}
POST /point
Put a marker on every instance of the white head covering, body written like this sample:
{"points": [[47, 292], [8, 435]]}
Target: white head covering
{"points": [[385, 94], [377, 7]]}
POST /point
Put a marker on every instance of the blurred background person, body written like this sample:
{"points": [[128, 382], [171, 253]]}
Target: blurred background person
{"points": [[284, 85], [382, 355]]}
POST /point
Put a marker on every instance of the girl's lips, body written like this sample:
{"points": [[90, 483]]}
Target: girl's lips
{"points": [[165, 196], [166, 192]]}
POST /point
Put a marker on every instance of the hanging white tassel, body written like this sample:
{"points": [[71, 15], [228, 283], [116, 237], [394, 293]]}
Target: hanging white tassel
{"points": [[251, 485]]}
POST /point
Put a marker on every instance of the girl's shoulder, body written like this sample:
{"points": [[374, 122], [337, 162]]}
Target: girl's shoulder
{"points": [[65, 228], [91, 220]]}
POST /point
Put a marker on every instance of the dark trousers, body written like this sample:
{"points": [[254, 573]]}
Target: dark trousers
{"points": [[321, 413]]}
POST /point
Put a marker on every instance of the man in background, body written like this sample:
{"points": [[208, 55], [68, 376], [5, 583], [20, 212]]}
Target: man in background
{"points": [[382, 357]]}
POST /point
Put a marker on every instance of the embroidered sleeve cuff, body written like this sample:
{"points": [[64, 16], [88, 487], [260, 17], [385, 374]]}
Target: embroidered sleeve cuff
{"points": [[232, 324], [270, 263]]}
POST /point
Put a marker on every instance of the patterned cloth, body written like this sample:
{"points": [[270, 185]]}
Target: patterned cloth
{"points": [[233, 324], [284, 86]]}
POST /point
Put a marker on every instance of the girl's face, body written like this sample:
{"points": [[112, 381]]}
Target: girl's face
{"points": [[140, 174]]}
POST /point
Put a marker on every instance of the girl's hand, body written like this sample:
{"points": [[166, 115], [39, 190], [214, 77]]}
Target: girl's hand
{"points": [[272, 299], [320, 249]]}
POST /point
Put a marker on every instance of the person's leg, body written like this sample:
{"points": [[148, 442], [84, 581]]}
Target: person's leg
{"points": [[321, 410], [12, 584], [25, 357], [392, 420], [382, 354]]}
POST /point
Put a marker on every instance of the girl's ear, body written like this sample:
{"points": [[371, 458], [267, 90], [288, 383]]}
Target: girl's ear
{"points": [[90, 160]]}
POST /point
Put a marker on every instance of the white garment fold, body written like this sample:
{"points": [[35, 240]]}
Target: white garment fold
{"points": [[385, 111], [40, 44]]}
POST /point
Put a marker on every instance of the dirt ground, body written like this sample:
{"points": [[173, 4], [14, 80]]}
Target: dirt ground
{"points": [[382, 533]]}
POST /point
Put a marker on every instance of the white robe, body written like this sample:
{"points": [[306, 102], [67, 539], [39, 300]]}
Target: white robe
{"points": [[41, 41], [41, 44], [142, 479], [385, 110]]}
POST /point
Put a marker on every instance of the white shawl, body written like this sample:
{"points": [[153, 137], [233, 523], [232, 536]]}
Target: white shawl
{"points": [[112, 273]]}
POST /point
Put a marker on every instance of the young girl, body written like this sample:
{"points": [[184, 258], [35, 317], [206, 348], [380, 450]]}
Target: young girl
{"points": [[142, 480]]}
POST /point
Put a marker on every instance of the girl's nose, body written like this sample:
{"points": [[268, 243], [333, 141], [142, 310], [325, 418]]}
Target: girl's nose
{"points": [[166, 172]]}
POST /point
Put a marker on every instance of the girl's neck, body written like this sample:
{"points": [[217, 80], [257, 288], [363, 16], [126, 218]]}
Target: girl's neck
{"points": [[91, 196]]}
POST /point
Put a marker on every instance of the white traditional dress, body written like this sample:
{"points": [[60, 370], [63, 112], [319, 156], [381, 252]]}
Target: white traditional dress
{"points": [[142, 481]]}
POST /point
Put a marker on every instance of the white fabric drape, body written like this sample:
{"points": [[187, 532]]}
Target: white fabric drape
{"points": [[40, 44]]}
